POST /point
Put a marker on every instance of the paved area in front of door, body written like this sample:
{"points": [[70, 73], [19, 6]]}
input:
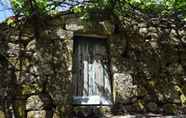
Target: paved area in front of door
{"points": [[147, 116]]}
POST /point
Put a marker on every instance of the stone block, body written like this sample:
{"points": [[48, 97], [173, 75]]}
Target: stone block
{"points": [[34, 103], [2, 114], [36, 114], [170, 108], [152, 107], [124, 87]]}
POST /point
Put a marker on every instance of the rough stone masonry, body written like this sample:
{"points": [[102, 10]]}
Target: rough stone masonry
{"points": [[147, 59]]}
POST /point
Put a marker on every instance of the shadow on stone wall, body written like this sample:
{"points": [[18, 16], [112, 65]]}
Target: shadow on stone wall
{"points": [[35, 73], [8, 78], [149, 68]]}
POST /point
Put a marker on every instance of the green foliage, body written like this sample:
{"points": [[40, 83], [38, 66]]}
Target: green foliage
{"points": [[119, 7], [27, 7], [77, 9], [122, 7], [10, 22]]}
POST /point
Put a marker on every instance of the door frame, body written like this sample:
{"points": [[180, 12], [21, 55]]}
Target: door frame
{"points": [[101, 100]]}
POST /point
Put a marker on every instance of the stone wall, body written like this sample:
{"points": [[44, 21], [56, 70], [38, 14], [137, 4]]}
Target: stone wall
{"points": [[35, 73], [149, 69], [147, 62]]}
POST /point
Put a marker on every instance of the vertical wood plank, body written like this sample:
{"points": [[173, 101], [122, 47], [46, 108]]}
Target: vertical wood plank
{"points": [[85, 72]]}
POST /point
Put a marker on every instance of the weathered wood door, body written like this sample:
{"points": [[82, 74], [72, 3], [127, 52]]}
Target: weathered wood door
{"points": [[91, 78]]}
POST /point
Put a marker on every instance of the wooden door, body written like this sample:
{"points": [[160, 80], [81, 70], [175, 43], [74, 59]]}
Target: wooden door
{"points": [[91, 78]]}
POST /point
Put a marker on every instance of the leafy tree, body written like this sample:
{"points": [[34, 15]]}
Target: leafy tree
{"points": [[39, 6], [124, 7], [159, 7], [42, 7]]}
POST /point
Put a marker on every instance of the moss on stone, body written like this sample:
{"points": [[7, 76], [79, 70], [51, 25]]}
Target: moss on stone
{"points": [[20, 109], [2, 114], [36, 114], [139, 106], [170, 108], [31, 88], [183, 99], [104, 109], [141, 91]]}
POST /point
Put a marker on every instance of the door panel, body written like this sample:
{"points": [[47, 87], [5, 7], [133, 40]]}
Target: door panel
{"points": [[91, 79]]}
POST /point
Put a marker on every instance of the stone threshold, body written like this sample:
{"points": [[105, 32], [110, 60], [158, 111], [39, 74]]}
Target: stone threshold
{"points": [[144, 116]]}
